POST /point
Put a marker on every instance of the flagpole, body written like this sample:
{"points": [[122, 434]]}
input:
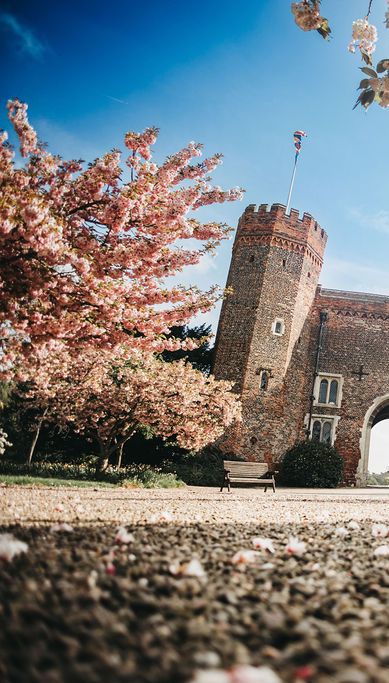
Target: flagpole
{"points": [[292, 183]]}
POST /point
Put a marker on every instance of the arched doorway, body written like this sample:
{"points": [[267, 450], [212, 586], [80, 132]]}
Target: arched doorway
{"points": [[378, 412]]}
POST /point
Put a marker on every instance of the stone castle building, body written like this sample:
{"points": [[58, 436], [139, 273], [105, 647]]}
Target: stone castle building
{"points": [[305, 360]]}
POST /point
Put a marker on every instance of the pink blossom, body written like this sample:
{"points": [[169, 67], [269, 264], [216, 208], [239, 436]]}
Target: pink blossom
{"points": [[62, 526], [123, 536], [295, 547], [10, 547], [253, 674], [263, 544], [238, 674], [192, 568], [245, 557], [382, 551], [380, 530]]}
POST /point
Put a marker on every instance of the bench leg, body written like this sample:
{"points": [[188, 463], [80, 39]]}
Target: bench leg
{"points": [[226, 482], [229, 485], [273, 484]]}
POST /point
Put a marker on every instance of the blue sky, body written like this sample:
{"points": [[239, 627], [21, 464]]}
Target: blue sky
{"points": [[238, 77]]}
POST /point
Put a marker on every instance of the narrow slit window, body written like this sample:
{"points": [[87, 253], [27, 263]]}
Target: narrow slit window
{"points": [[264, 380], [323, 391], [278, 327], [333, 392], [326, 432]]}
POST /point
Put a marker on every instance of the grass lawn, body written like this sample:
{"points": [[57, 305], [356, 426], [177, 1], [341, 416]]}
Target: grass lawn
{"points": [[25, 480]]}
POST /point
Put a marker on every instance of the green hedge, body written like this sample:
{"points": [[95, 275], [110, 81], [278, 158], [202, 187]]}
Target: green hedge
{"points": [[200, 469], [311, 464]]}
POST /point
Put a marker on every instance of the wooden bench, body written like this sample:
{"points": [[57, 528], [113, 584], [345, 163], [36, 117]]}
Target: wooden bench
{"points": [[247, 473]]}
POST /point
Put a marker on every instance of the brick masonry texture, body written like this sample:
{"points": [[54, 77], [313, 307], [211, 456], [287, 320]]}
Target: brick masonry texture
{"points": [[274, 275]]}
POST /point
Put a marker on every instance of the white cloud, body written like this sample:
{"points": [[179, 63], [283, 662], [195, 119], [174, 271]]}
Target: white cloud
{"points": [[27, 40], [379, 220], [360, 277], [198, 270]]}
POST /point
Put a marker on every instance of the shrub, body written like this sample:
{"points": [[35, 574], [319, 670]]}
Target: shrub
{"points": [[311, 464], [200, 469]]}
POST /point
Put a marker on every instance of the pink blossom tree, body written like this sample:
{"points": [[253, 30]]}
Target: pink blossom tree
{"points": [[108, 397], [364, 36], [85, 252]]}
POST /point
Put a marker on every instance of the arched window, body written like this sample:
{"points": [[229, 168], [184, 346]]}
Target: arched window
{"points": [[323, 429], [264, 380], [323, 391], [316, 430], [328, 389], [333, 398], [326, 432]]}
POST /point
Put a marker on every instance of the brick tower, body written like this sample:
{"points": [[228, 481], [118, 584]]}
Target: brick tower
{"points": [[262, 334]]}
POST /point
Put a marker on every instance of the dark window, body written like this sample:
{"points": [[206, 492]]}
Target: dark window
{"points": [[333, 392], [253, 440], [326, 433], [323, 391], [278, 327], [252, 258], [284, 263], [264, 380], [316, 430]]}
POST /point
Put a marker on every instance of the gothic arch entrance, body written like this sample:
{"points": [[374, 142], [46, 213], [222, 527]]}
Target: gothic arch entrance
{"points": [[377, 412]]}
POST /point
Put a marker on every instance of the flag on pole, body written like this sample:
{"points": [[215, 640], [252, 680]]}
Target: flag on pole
{"points": [[298, 135]]}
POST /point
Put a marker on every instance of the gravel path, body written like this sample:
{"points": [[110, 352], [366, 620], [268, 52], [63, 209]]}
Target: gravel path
{"points": [[80, 607], [190, 504]]}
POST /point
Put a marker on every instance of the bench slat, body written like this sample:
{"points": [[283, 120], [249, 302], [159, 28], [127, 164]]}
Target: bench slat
{"points": [[250, 480], [247, 469], [244, 468]]}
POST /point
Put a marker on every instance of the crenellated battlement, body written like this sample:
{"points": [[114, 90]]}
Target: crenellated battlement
{"points": [[274, 221]]}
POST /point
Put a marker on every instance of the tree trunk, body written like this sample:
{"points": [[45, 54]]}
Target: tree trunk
{"points": [[107, 448], [119, 452], [35, 439], [103, 460]]}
